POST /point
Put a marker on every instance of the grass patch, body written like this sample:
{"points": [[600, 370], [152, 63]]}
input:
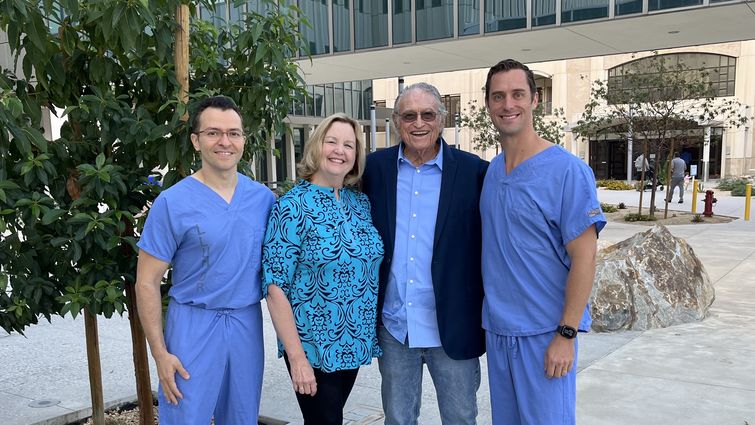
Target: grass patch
{"points": [[697, 218], [639, 217], [608, 208]]}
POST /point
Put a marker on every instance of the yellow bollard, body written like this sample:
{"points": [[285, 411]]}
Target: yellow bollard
{"points": [[694, 196], [748, 192]]}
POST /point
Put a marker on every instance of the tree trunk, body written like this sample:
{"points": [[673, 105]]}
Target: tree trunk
{"points": [[141, 363], [95, 370], [182, 53]]}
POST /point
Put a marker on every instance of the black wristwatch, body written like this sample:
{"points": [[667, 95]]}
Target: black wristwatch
{"points": [[566, 331]]}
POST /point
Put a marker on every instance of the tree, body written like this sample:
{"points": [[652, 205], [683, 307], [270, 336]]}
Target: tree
{"points": [[485, 135], [71, 208], [660, 101]]}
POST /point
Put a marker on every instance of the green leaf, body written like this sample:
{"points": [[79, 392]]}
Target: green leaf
{"points": [[100, 161], [58, 241], [3, 282], [80, 218], [52, 215]]}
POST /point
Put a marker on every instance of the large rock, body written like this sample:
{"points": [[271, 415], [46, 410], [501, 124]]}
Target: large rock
{"points": [[651, 280]]}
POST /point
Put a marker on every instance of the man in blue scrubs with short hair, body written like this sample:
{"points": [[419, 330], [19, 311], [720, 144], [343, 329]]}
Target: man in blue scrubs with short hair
{"points": [[209, 227], [540, 223]]}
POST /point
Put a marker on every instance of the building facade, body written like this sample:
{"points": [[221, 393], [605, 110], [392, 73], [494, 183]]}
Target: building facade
{"points": [[566, 84]]}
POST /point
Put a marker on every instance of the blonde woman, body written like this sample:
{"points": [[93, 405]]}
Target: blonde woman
{"points": [[321, 258]]}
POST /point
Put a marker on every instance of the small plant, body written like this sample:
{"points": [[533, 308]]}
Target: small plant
{"points": [[283, 187], [622, 206], [697, 218], [614, 185], [608, 208], [639, 217]]}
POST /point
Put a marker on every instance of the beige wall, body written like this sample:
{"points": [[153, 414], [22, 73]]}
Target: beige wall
{"points": [[572, 79]]}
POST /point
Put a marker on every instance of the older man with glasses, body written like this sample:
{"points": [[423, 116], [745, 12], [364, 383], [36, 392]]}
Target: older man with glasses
{"points": [[425, 198], [209, 227]]}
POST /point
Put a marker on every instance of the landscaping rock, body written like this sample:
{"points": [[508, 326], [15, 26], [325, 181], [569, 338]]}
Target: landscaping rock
{"points": [[651, 280]]}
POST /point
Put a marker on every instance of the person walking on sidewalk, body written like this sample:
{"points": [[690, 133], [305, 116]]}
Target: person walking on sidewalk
{"points": [[209, 227], [540, 223], [678, 167]]}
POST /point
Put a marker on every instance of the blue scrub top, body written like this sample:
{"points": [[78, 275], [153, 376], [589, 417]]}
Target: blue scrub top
{"points": [[214, 246], [325, 254], [528, 218]]}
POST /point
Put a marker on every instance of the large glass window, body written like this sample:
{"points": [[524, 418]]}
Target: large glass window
{"points": [[469, 17], [217, 16], [435, 19], [329, 100], [319, 99], [338, 98], [371, 23], [453, 107], [580, 10], [670, 4], [544, 12], [341, 26], [402, 21], [316, 33], [502, 15], [626, 7], [717, 71]]}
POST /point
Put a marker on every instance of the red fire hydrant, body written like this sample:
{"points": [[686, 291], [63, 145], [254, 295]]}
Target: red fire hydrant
{"points": [[709, 201]]}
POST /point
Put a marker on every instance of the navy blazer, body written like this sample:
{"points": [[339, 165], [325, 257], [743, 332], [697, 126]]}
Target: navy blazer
{"points": [[456, 273]]}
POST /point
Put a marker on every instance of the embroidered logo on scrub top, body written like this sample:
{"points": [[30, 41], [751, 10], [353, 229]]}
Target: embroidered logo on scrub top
{"points": [[205, 257], [593, 212]]}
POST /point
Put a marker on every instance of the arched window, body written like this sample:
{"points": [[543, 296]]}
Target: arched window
{"points": [[716, 71]]}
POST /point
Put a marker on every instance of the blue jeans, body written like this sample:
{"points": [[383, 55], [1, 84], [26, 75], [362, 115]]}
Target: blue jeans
{"points": [[456, 382]]}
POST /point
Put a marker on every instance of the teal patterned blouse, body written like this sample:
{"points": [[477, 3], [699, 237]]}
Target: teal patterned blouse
{"points": [[324, 254]]}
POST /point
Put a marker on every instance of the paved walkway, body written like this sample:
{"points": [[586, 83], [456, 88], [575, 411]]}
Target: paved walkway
{"points": [[695, 374]]}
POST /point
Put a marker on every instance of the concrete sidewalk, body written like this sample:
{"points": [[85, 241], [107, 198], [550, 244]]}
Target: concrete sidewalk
{"points": [[694, 374]]}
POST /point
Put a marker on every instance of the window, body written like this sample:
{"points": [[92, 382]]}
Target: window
{"points": [[716, 71], [434, 19], [502, 15], [452, 104]]}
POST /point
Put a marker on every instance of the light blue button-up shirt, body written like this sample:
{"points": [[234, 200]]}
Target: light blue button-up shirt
{"points": [[409, 307]]}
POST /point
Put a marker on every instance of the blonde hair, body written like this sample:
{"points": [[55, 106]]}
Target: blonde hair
{"points": [[310, 161]]}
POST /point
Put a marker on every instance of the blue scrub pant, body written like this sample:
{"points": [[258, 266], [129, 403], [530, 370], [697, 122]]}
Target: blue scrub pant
{"points": [[223, 352], [520, 393]]}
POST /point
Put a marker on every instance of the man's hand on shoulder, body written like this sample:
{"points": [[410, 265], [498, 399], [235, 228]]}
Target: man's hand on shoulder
{"points": [[167, 367]]}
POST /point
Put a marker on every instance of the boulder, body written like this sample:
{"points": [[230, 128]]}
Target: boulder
{"points": [[651, 280]]}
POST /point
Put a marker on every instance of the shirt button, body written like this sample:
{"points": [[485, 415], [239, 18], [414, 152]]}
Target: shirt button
{"points": [[411, 258], [412, 236], [416, 192], [409, 304], [411, 280], [414, 215], [418, 170]]}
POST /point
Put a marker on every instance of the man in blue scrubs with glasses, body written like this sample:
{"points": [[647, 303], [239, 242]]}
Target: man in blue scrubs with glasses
{"points": [[540, 223], [209, 227]]}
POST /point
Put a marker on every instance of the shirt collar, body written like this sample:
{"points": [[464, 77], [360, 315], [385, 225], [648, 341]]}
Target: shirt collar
{"points": [[438, 160]]}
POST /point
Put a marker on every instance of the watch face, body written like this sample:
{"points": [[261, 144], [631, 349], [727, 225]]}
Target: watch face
{"points": [[567, 332]]}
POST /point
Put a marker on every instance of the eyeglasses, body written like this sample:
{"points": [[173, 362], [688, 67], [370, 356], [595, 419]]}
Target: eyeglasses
{"points": [[410, 117], [213, 134]]}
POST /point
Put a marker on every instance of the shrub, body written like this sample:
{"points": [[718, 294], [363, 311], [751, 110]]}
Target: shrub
{"points": [[622, 206], [697, 218], [639, 217], [614, 185], [738, 187], [608, 208], [729, 183]]}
